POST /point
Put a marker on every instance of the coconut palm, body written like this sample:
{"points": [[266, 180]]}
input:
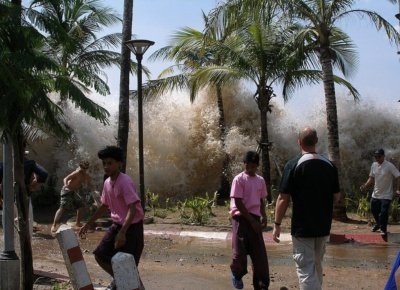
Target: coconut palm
{"points": [[264, 54], [321, 34], [321, 38], [190, 49], [123, 116], [71, 27], [27, 78], [32, 66]]}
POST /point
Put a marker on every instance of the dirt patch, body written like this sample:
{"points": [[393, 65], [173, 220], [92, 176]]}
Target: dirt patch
{"points": [[189, 263]]}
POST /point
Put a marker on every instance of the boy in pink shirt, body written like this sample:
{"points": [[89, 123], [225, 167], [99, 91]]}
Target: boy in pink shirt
{"points": [[247, 206], [119, 196]]}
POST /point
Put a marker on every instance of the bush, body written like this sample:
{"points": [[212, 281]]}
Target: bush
{"points": [[200, 209]]}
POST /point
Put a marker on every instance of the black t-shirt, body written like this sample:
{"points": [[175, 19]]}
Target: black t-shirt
{"points": [[311, 180]]}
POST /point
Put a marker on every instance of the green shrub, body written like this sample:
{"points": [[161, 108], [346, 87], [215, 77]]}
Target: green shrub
{"points": [[394, 213], [197, 210]]}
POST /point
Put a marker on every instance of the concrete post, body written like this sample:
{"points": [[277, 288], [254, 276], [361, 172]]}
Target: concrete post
{"points": [[73, 258], [9, 262], [126, 275]]}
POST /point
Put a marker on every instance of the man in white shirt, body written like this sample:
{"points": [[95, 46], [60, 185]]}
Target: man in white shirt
{"points": [[381, 176]]}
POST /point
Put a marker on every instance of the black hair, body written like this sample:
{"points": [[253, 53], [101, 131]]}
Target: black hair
{"points": [[251, 157], [113, 152]]}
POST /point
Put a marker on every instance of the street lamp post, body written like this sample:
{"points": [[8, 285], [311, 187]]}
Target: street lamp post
{"points": [[139, 47]]}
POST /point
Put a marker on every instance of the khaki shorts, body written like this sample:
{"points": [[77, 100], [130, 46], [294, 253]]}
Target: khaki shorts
{"points": [[70, 200]]}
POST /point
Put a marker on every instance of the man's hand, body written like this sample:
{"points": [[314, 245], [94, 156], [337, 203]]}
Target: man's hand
{"points": [[83, 231], [120, 240], [276, 232]]}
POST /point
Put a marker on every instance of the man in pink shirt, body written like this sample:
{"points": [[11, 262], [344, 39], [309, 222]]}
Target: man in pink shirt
{"points": [[247, 206], [119, 196]]}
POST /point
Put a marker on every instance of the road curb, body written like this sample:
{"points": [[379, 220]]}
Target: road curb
{"points": [[285, 237]]}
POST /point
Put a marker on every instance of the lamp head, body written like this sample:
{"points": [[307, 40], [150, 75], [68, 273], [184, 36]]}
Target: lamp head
{"points": [[139, 46]]}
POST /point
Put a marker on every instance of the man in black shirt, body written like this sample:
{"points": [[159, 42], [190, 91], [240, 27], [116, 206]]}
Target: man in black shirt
{"points": [[311, 182]]}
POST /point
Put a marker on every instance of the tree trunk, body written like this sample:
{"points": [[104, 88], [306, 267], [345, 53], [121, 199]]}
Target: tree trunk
{"points": [[21, 197], [21, 200], [263, 105], [339, 211], [123, 116], [224, 189]]}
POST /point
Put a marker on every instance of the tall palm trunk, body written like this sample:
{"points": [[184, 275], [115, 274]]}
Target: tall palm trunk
{"points": [[21, 199], [263, 105], [123, 116], [339, 211], [224, 189]]}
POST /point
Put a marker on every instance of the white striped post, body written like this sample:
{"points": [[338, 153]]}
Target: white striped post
{"points": [[73, 258], [126, 275]]}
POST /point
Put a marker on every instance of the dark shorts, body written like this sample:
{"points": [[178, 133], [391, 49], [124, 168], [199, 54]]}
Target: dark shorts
{"points": [[134, 243], [70, 200]]}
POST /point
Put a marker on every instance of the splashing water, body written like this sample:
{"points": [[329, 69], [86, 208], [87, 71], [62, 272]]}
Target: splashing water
{"points": [[183, 154]]}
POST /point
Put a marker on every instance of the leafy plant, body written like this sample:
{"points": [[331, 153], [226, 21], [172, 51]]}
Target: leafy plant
{"points": [[394, 212], [152, 201], [200, 209]]}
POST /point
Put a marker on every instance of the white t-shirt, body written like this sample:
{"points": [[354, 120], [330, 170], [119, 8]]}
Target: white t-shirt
{"points": [[383, 175]]}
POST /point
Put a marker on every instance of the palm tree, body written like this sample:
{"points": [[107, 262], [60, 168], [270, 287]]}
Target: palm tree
{"points": [[262, 54], [71, 27], [123, 116], [191, 50], [26, 80], [321, 34], [331, 46], [33, 65], [255, 54]]}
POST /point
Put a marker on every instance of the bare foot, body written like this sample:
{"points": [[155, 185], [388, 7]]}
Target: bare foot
{"points": [[54, 229], [78, 225]]}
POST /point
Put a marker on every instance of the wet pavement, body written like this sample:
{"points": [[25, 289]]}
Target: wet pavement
{"points": [[171, 261]]}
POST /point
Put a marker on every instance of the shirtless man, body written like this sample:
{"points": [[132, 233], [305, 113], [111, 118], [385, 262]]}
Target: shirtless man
{"points": [[71, 198]]}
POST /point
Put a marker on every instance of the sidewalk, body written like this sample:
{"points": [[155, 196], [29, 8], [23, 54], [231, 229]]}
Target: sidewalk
{"points": [[341, 238]]}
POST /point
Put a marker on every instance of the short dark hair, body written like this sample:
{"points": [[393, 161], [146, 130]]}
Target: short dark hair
{"points": [[113, 152], [251, 157]]}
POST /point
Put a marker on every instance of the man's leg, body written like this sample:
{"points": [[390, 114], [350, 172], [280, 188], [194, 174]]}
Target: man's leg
{"points": [[375, 210], [79, 214], [57, 219], [384, 214], [304, 256], [320, 246], [259, 259], [239, 255]]}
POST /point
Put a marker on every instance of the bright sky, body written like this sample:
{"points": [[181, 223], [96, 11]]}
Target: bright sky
{"points": [[377, 76]]}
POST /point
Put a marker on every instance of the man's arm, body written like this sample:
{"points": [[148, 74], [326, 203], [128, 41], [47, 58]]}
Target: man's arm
{"points": [[397, 179], [102, 210], [244, 213], [370, 181], [70, 177], [263, 213], [120, 239], [282, 204], [41, 173]]}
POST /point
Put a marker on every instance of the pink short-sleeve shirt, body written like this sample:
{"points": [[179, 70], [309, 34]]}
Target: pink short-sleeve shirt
{"points": [[251, 189], [117, 196]]}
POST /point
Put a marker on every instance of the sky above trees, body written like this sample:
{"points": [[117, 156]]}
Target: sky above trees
{"points": [[377, 77]]}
